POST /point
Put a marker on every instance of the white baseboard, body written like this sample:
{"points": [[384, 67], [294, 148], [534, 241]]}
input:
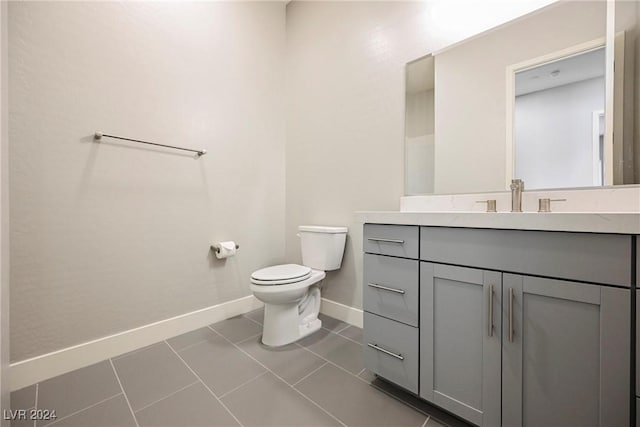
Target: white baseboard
{"points": [[39, 368], [350, 315]]}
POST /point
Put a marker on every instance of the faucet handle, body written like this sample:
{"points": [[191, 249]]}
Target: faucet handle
{"points": [[491, 204], [517, 184], [544, 205]]}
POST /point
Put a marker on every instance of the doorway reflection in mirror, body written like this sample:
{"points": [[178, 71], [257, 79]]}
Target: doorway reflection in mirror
{"points": [[559, 121]]}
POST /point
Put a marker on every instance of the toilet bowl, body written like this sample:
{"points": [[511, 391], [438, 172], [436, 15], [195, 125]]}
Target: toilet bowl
{"points": [[291, 292]]}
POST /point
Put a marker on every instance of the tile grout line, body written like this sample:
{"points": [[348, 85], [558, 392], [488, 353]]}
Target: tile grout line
{"points": [[254, 321], [400, 400], [35, 404], [365, 381], [426, 421], [123, 393], [205, 385], [167, 396], [132, 352], [349, 339], [343, 329], [282, 379], [83, 409], [358, 377], [327, 361], [243, 384], [309, 374], [332, 363], [247, 339], [188, 346], [346, 338]]}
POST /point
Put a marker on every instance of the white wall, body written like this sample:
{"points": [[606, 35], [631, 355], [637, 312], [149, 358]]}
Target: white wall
{"points": [[110, 236], [553, 135], [470, 102], [4, 214]]}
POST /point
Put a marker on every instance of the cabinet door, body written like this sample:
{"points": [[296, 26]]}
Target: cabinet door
{"points": [[460, 346], [565, 353]]}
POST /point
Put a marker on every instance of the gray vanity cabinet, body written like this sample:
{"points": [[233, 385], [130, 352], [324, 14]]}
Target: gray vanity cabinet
{"points": [[514, 327], [565, 351], [460, 340]]}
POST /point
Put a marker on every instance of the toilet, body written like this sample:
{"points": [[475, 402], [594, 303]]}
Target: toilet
{"points": [[291, 292]]}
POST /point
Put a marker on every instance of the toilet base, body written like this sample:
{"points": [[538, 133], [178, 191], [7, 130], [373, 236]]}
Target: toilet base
{"points": [[285, 324], [282, 327]]}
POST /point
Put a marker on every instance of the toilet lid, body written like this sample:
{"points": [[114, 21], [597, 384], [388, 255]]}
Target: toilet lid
{"points": [[280, 274]]}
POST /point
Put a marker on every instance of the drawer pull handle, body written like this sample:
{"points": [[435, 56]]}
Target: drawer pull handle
{"points": [[378, 239], [510, 314], [384, 288], [390, 353], [491, 310]]}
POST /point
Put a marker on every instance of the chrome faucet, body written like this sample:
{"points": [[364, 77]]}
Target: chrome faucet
{"points": [[517, 187]]}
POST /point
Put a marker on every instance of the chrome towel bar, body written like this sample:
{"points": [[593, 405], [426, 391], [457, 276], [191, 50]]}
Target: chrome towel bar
{"points": [[99, 135]]}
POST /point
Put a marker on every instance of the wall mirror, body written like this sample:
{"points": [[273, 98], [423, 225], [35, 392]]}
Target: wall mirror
{"points": [[513, 102]]}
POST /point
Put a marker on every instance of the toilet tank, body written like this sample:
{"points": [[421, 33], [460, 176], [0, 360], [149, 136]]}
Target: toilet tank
{"points": [[322, 246]]}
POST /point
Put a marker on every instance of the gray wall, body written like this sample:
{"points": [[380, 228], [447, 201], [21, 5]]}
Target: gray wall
{"points": [[107, 237], [345, 114], [345, 119], [111, 236], [4, 214]]}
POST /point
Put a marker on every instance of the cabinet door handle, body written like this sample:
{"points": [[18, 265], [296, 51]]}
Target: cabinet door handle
{"points": [[490, 310], [378, 239], [510, 314], [384, 288], [385, 351]]}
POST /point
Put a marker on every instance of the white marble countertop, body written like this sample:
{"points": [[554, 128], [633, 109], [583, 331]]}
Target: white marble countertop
{"points": [[599, 222]]}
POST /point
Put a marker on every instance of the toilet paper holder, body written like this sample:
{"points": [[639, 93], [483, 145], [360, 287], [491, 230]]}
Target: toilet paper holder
{"points": [[217, 249]]}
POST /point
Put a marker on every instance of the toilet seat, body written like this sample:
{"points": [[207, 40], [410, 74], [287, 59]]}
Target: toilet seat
{"points": [[280, 275]]}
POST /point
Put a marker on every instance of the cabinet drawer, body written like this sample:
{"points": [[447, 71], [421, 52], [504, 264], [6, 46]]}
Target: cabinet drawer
{"points": [[391, 350], [391, 287], [395, 240], [587, 257]]}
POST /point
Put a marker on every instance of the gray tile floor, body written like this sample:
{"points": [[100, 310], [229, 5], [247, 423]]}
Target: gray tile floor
{"points": [[223, 376]]}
